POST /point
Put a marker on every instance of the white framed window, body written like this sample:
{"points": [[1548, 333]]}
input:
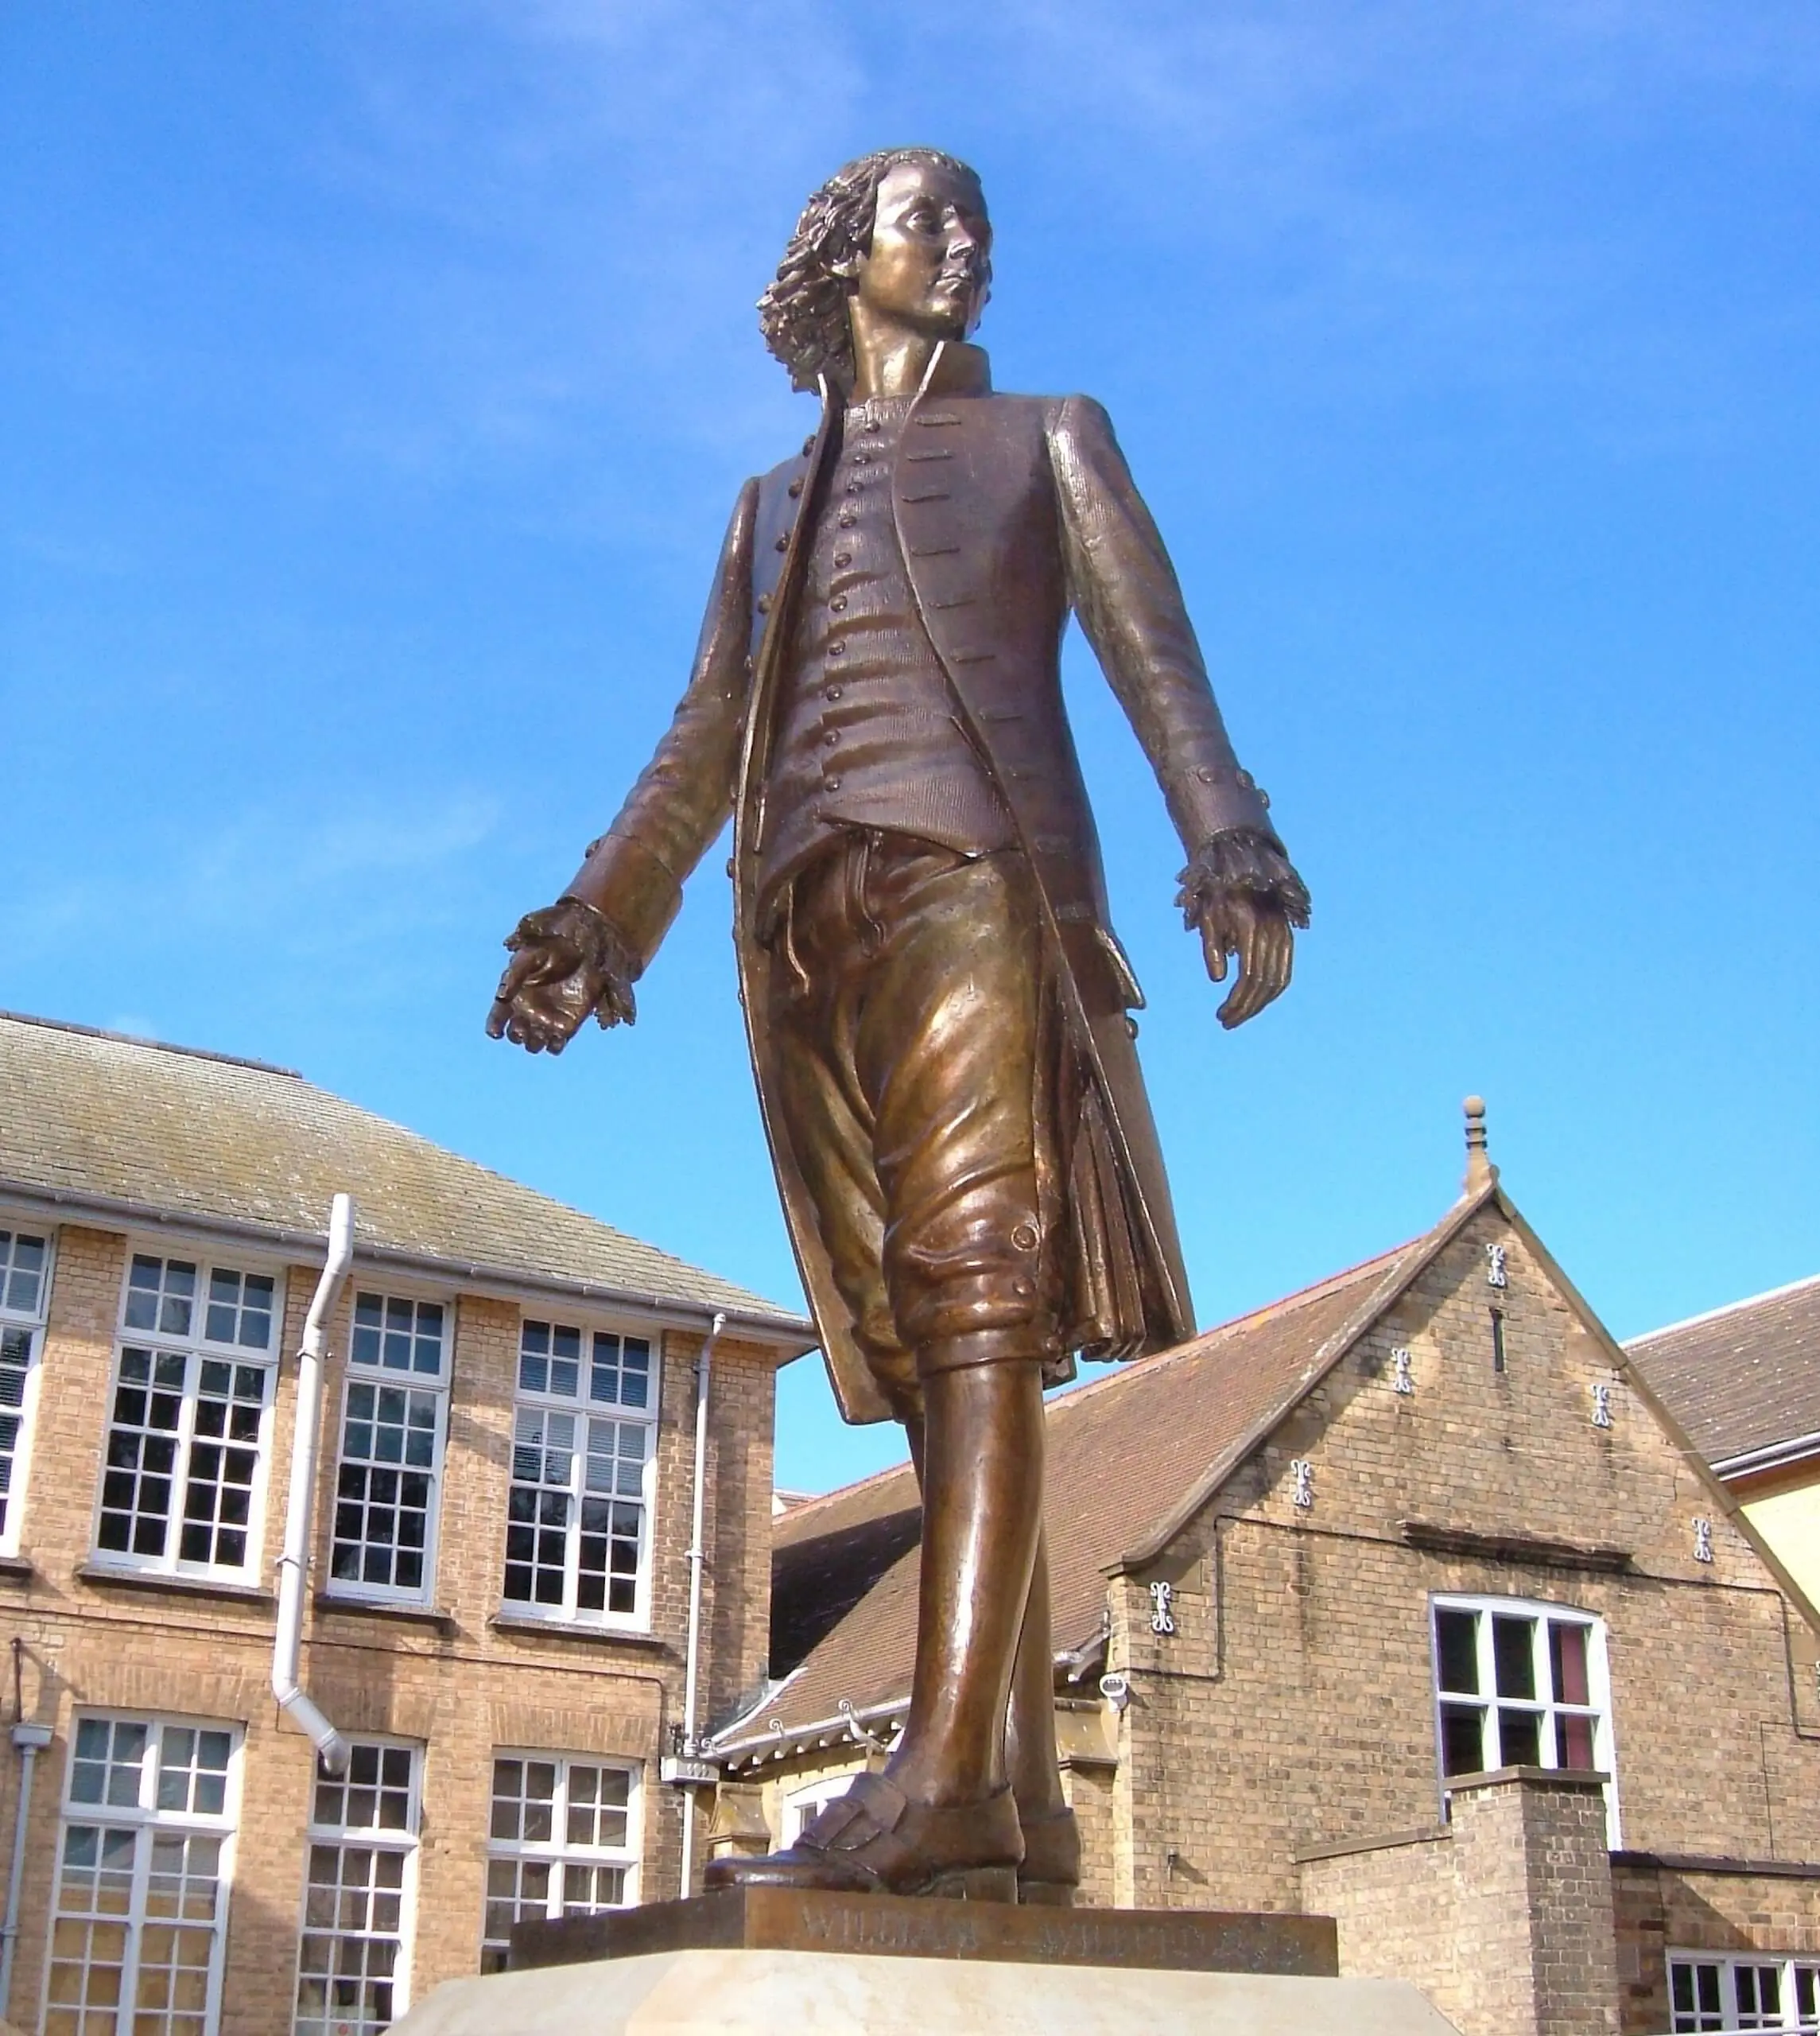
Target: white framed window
{"points": [[189, 1423], [1519, 1684], [144, 1862], [563, 1841], [1760, 1990], [360, 1892], [25, 1300], [801, 1805], [583, 1473], [394, 1427]]}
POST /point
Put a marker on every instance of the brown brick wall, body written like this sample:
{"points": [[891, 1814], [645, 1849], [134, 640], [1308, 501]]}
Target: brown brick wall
{"points": [[1504, 1921], [461, 1685], [1662, 1907]]}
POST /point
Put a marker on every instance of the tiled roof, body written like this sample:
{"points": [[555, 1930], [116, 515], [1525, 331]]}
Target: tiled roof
{"points": [[91, 1119], [1123, 1454], [1745, 1379]]}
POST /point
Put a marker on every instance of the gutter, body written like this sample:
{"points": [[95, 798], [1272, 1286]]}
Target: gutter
{"points": [[793, 1333], [1773, 1456], [293, 1563]]}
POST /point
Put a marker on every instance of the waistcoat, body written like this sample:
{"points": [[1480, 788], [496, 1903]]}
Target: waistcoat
{"points": [[868, 730]]}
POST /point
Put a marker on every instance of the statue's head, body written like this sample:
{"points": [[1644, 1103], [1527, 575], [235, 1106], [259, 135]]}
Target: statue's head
{"points": [[905, 231]]}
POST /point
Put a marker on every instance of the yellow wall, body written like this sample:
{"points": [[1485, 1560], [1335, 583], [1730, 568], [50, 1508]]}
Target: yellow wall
{"points": [[1790, 1521]]}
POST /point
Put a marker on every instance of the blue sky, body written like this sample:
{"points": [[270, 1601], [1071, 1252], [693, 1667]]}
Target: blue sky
{"points": [[377, 378]]}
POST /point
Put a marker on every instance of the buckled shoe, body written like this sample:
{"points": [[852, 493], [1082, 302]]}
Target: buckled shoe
{"points": [[874, 1841]]}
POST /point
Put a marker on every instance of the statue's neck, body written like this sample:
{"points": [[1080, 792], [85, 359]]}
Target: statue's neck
{"points": [[889, 359], [905, 364]]}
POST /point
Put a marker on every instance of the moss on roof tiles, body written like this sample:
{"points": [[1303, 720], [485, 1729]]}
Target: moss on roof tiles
{"points": [[93, 1115]]}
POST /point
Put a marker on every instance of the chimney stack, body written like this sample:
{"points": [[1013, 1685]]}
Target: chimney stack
{"points": [[1480, 1172]]}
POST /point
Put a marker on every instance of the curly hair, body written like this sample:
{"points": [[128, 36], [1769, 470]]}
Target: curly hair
{"points": [[803, 311]]}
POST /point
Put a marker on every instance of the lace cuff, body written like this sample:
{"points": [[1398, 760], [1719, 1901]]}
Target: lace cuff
{"points": [[1244, 859]]}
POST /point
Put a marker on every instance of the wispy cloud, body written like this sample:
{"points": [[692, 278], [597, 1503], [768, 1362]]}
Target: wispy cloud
{"points": [[282, 876]]}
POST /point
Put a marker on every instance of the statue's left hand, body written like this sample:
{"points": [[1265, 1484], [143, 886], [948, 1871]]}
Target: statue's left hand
{"points": [[1242, 894]]}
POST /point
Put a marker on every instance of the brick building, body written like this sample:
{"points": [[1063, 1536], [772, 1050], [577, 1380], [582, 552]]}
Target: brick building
{"points": [[1403, 1600], [1744, 1382], [500, 1585]]}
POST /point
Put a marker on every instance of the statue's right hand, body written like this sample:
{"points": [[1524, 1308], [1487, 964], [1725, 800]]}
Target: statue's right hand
{"points": [[567, 960]]}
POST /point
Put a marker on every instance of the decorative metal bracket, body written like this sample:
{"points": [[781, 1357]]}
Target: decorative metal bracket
{"points": [[1402, 1379], [1496, 1274], [855, 1730], [1161, 1595], [1702, 1541], [1601, 1404], [1302, 1471]]}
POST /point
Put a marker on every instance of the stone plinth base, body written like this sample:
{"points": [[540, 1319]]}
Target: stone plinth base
{"points": [[781, 1993], [786, 1919]]}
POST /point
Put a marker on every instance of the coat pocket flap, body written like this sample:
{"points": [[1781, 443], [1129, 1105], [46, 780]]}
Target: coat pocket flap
{"points": [[1130, 995]]}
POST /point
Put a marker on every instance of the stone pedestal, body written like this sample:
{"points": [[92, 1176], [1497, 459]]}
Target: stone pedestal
{"points": [[766, 1963], [782, 1993]]}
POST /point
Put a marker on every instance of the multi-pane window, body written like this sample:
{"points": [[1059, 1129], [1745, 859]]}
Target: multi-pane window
{"points": [[1520, 1685], [353, 1958], [140, 1906], [562, 1842], [583, 1455], [395, 1418], [190, 1416], [24, 1290], [1759, 1992]]}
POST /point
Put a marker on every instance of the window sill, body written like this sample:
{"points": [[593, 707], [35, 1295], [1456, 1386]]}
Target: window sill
{"points": [[196, 1587], [380, 1608], [21, 1567], [573, 1630]]}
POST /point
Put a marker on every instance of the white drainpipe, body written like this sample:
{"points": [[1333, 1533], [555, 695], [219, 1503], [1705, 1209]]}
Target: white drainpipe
{"points": [[31, 1740], [293, 1563], [697, 1558]]}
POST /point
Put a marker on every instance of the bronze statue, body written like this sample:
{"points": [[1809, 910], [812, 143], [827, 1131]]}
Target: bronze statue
{"points": [[937, 1005]]}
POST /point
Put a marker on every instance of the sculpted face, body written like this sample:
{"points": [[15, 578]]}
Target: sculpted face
{"points": [[928, 265]]}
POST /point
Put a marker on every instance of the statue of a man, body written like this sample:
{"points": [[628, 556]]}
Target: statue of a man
{"points": [[936, 1001]]}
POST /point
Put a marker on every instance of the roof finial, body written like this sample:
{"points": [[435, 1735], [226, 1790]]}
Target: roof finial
{"points": [[1480, 1172]]}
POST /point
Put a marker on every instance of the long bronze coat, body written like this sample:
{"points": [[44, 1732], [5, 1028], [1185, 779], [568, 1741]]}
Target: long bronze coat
{"points": [[1011, 510]]}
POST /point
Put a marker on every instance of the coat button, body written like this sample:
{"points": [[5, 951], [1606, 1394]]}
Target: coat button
{"points": [[807, 447], [764, 604], [838, 603], [831, 784], [837, 650], [796, 487], [834, 693], [832, 737], [783, 542], [846, 519], [843, 558], [1024, 1237]]}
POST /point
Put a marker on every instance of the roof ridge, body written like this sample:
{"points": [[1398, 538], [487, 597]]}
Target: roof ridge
{"points": [[1728, 1307], [151, 1046]]}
